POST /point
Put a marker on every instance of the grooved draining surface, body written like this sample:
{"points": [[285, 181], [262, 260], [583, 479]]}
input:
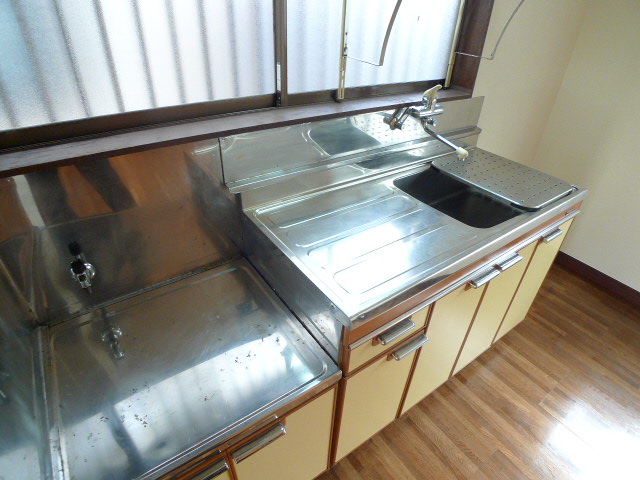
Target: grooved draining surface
{"points": [[518, 184]]}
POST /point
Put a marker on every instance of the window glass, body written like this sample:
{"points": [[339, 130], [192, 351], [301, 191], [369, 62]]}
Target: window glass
{"points": [[418, 48], [314, 29], [70, 59]]}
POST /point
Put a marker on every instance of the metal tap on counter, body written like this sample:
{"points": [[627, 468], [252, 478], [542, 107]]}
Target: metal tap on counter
{"points": [[81, 270], [425, 114], [111, 335]]}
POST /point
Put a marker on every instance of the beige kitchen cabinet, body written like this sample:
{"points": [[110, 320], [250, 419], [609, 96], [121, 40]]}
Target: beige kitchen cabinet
{"points": [[388, 338], [493, 306], [372, 396], [545, 252], [447, 327], [294, 449], [222, 476]]}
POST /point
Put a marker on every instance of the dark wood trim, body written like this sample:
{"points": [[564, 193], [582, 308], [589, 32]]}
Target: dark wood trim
{"points": [[475, 23], [123, 142], [353, 93], [601, 280], [333, 425], [407, 385], [524, 274], [232, 468], [414, 365], [337, 420], [29, 137], [466, 335], [344, 356]]}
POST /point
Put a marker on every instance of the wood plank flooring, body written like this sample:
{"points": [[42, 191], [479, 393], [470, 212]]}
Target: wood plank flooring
{"points": [[557, 398]]}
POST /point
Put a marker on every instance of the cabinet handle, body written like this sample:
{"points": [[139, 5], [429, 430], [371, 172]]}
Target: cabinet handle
{"points": [[484, 278], [509, 262], [396, 331], [409, 348], [260, 442], [211, 473], [550, 237]]}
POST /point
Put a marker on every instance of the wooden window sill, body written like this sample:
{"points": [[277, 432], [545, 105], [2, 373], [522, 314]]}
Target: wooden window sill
{"points": [[26, 160]]}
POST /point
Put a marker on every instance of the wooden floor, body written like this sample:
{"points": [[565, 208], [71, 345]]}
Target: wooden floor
{"points": [[557, 398]]}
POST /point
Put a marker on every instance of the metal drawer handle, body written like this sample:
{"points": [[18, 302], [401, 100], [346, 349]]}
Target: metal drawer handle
{"points": [[510, 262], [484, 278], [211, 473], [260, 442], [550, 237], [410, 347], [396, 331]]}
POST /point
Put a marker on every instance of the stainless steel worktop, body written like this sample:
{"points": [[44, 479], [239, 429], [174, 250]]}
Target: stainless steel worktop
{"points": [[200, 360], [365, 245]]}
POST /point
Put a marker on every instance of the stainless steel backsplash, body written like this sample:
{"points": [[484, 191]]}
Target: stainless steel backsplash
{"points": [[141, 219]]}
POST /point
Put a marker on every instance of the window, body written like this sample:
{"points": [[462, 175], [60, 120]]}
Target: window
{"points": [[71, 67], [70, 59]]}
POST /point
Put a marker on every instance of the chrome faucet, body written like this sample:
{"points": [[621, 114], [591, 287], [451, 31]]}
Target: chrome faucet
{"points": [[81, 270], [425, 113]]}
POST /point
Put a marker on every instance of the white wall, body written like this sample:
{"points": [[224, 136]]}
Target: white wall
{"points": [[563, 95], [591, 139], [521, 83]]}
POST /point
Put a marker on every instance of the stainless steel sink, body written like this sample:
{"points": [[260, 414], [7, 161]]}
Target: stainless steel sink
{"points": [[469, 205]]}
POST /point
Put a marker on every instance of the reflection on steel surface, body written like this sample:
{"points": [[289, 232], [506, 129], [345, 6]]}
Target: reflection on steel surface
{"points": [[276, 151], [205, 357], [362, 247], [142, 219]]}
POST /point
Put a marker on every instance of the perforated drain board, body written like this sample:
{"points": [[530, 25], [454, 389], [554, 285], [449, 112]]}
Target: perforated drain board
{"points": [[518, 184]]}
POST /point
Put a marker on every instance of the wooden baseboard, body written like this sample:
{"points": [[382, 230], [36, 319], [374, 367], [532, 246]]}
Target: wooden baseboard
{"points": [[605, 282]]}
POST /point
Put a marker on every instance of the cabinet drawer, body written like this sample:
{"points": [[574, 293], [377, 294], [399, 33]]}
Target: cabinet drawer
{"points": [[448, 325], [495, 301], [372, 397], [219, 471], [297, 450], [546, 249], [388, 338]]}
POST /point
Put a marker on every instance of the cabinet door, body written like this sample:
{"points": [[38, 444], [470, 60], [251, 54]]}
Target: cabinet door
{"points": [[391, 337], [543, 256], [299, 451], [494, 304], [448, 325], [372, 396]]}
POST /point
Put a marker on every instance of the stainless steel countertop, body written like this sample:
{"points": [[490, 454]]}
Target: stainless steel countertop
{"points": [[366, 245], [204, 358]]}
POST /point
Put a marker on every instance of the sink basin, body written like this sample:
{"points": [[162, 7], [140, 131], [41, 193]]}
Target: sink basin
{"points": [[469, 205]]}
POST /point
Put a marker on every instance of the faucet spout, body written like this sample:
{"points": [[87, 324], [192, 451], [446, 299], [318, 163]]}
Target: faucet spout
{"points": [[425, 114], [461, 152]]}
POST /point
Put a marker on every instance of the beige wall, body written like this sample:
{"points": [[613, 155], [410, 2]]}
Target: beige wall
{"points": [[592, 136], [563, 95], [521, 83]]}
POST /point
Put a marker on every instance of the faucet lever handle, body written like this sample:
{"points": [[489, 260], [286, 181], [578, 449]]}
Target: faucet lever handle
{"points": [[75, 249], [430, 97]]}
